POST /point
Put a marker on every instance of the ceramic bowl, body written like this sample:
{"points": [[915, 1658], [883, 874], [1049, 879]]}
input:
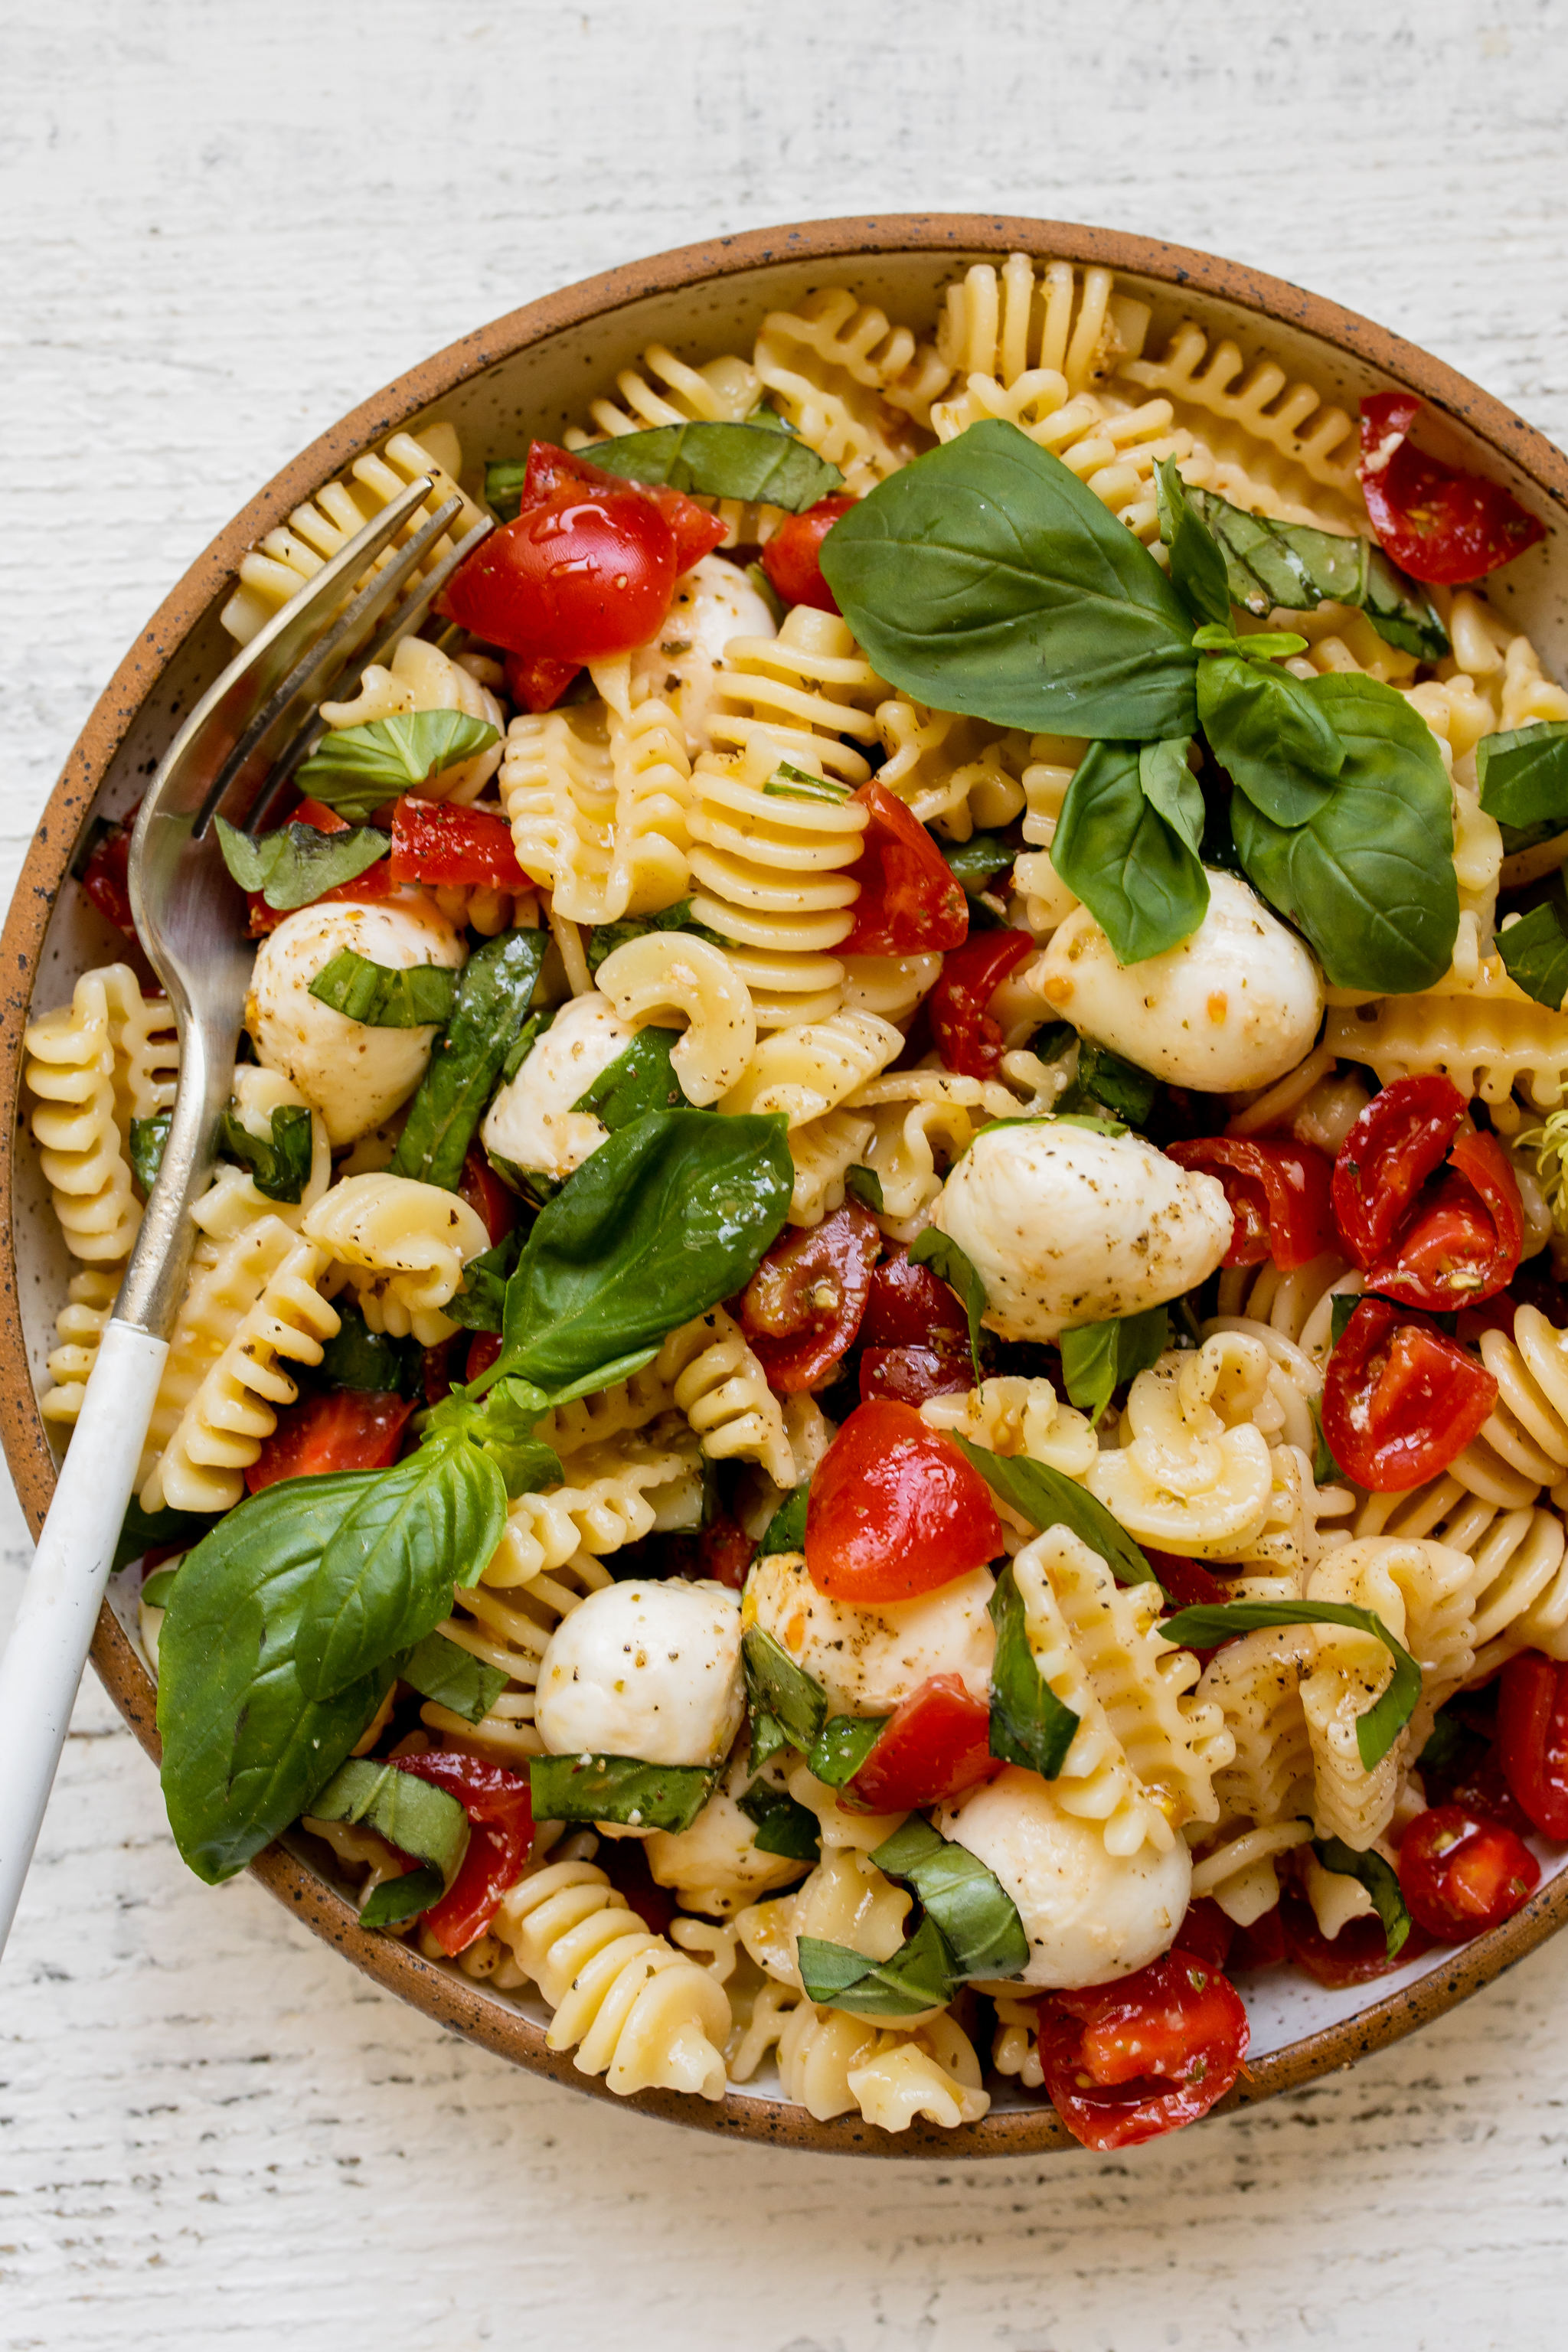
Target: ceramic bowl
{"points": [[530, 373]]}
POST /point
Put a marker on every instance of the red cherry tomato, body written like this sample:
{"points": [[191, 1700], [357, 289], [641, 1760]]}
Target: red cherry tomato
{"points": [[624, 1862], [911, 1307], [377, 882], [553, 473], [589, 574], [911, 1374], [1532, 1738], [909, 902], [106, 878], [1436, 521], [968, 1040], [435, 1369], [723, 1552], [1461, 1874], [1207, 1933], [345, 1429], [483, 1349], [935, 1745], [1401, 1399], [434, 843], [1401, 1137], [1125, 2062], [1277, 1192], [895, 1509], [801, 1307], [1463, 1239], [537, 681], [486, 1195], [1261, 1946], [497, 1803], [1185, 1586], [1357, 1955], [792, 558]]}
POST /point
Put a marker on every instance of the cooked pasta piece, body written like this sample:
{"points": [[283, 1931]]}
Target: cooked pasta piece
{"points": [[79, 1330], [957, 774], [670, 974], [832, 2063], [1194, 1474], [597, 804], [722, 1388], [422, 677], [858, 390], [812, 1068], [666, 390], [404, 1245], [94, 1066], [802, 692], [824, 1151]]}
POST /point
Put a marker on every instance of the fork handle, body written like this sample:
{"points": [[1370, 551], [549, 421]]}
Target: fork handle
{"points": [[60, 1601]]}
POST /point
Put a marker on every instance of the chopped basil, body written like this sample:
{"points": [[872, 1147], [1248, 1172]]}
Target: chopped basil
{"points": [[442, 1670], [1140, 877], [979, 861], [1209, 1623], [355, 1357], [623, 1789], [1048, 1498], [298, 864], [147, 1139], [384, 997], [1446, 1740], [1534, 951], [481, 1305], [280, 1166], [1523, 782], [491, 1008], [920, 1976], [423, 1822], [865, 1185], [792, 783], [945, 1259], [784, 1826], [785, 1531], [784, 1704], [1381, 1882], [769, 594], [978, 1919], [353, 769], [842, 1747], [1341, 1306], [640, 1079], [1029, 1724], [142, 1531], [155, 1591], [1096, 1358], [760, 463], [1105, 1082]]}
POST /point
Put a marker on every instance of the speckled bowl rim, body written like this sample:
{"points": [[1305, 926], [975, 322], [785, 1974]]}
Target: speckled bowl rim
{"points": [[444, 1994]]}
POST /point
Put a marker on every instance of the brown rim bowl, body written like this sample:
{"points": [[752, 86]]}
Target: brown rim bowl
{"points": [[534, 370]]}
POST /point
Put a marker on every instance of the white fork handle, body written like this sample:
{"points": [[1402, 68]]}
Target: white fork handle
{"points": [[60, 1601]]}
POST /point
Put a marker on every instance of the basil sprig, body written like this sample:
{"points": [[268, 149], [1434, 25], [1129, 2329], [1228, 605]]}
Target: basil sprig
{"points": [[623, 1789], [353, 769], [1381, 1882], [638, 1080], [1209, 1624], [383, 996], [1127, 844], [1049, 1498], [1096, 1358], [784, 1826], [501, 1425], [297, 864], [978, 1919], [942, 1254], [1029, 1724], [279, 1164], [920, 1976], [487, 1015], [1534, 951], [441, 1669], [1269, 734], [713, 460], [1523, 782], [424, 1822]]}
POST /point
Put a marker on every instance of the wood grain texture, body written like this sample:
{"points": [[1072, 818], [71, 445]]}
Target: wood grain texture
{"points": [[219, 227]]}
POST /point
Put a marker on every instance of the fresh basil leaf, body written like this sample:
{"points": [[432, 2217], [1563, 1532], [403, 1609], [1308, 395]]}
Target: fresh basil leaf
{"points": [[920, 1976], [358, 1358], [1297, 568], [1171, 788], [606, 937], [641, 1079], [1198, 571], [666, 1219], [1523, 782], [155, 1591], [1325, 1469], [784, 1827], [384, 997], [441, 1669], [1137, 876], [481, 1305], [602, 1376], [244, 1746], [864, 1184], [143, 1532], [280, 1167], [979, 861], [297, 864], [423, 1822], [768, 1736], [945, 1259], [1381, 1882], [501, 1424], [1096, 1358], [147, 1139], [1448, 1738], [618, 1789], [494, 990], [353, 769], [986, 578], [532, 1184], [396, 1899], [792, 783], [756, 462], [769, 594], [785, 1531], [1269, 735], [1368, 878], [1209, 1623], [526, 1039], [776, 1686], [386, 1576], [1048, 1498], [1260, 646], [1341, 1310], [978, 1919], [842, 1747], [1534, 951], [1400, 611], [1111, 1085], [1029, 1724]]}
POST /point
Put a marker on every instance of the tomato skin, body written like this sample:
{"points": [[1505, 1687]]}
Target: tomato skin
{"points": [[106, 879], [1532, 1738], [801, 1307], [1279, 1195], [1400, 1399], [553, 472], [936, 1744], [1357, 1955], [1461, 1874], [586, 575], [909, 903], [624, 1862], [895, 1509], [911, 1374], [486, 1195], [1401, 1137], [968, 1040], [1261, 1946], [498, 1805], [1462, 1244], [1436, 521], [434, 843], [911, 1307], [537, 681], [723, 1551], [1126, 2062], [1207, 1933], [792, 558], [342, 1429]]}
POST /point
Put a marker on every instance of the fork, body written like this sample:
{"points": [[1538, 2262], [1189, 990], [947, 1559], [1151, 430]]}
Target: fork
{"points": [[232, 757]]}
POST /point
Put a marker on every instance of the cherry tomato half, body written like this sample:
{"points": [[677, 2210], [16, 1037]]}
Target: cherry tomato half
{"points": [[968, 1040], [434, 843], [1462, 1241], [801, 1307], [376, 882], [498, 1805], [553, 472], [589, 574], [911, 1307], [1357, 1955], [538, 681], [106, 878], [1207, 1933], [791, 557], [895, 1509], [483, 1349], [911, 1374], [1532, 1738], [1125, 2062], [1277, 1192], [909, 902], [1461, 1874], [1401, 1137], [486, 1195], [936, 1744], [345, 1429], [1400, 1399], [1435, 520]]}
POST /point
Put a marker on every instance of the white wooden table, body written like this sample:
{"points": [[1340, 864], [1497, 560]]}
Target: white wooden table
{"points": [[220, 226]]}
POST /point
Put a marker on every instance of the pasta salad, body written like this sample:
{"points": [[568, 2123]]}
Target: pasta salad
{"points": [[875, 1370]]}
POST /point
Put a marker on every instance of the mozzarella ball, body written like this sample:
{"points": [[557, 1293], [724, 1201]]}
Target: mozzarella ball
{"points": [[713, 603], [352, 1074], [867, 1659], [531, 1123], [1087, 1915], [1235, 1005], [716, 1865], [648, 1670], [1065, 1225]]}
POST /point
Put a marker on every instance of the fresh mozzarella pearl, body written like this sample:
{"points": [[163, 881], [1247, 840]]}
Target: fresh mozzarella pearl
{"points": [[1236, 1005], [716, 1865], [867, 1659], [1087, 1915], [532, 1122], [1065, 1225], [354, 1075], [713, 602], [648, 1670]]}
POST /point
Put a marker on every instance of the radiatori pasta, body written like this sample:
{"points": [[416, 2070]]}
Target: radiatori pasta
{"points": [[918, 1346]]}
